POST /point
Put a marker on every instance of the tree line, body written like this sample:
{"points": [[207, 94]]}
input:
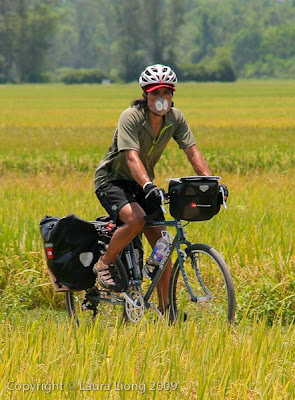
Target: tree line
{"points": [[91, 40]]}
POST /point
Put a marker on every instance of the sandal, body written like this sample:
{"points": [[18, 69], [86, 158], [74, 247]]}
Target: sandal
{"points": [[107, 276]]}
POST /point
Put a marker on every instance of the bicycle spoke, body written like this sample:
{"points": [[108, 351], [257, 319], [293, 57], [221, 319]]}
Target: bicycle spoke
{"points": [[86, 307], [210, 283]]}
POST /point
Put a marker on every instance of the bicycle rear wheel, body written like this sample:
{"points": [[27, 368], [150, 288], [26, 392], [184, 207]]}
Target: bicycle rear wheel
{"points": [[79, 307], [86, 304], [205, 289]]}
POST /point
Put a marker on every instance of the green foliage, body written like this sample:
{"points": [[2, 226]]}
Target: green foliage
{"points": [[218, 68], [267, 298], [121, 38], [145, 33], [252, 31], [83, 76], [246, 46], [2, 60], [271, 67], [25, 30]]}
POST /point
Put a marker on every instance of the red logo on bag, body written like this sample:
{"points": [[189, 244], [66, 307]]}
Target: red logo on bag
{"points": [[194, 205], [49, 253]]}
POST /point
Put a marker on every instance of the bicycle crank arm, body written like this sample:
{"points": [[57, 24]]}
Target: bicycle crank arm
{"points": [[130, 301], [157, 311]]}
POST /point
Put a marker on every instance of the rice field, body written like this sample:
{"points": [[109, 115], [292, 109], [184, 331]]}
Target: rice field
{"points": [[52, 137]]}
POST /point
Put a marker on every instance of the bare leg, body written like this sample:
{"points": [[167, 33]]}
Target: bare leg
{"points": [[152, 235], [132, 216]]}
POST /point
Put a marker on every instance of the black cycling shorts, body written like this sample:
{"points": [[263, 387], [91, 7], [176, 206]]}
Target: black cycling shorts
{"points": [[114, 195]]}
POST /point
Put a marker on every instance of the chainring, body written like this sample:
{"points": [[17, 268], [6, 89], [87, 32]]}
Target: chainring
{"points": [[134, 313]]}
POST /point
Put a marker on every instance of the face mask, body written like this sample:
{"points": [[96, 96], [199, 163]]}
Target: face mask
{"points": [[160, 106]]}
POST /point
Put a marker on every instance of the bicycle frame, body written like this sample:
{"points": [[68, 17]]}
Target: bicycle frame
{"points": [[136, 280], [178, 240], [135, 301]]}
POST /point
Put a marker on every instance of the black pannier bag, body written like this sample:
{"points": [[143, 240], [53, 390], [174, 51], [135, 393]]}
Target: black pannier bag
{"points": [[194, 198], [72, 247]]}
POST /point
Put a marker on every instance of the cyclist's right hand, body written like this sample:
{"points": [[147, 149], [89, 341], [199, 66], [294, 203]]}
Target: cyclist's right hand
{"points": [[153, 195]]}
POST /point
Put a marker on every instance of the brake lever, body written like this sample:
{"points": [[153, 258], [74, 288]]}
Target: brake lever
{"points": [[151, 217], [223, 197], [163, 208]]}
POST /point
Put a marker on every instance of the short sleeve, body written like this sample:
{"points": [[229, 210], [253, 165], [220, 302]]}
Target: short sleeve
{"points": [[183, 135], [128, 131]]}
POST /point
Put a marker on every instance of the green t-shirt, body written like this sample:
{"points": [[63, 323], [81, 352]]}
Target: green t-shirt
{"points": [[134, 132]]}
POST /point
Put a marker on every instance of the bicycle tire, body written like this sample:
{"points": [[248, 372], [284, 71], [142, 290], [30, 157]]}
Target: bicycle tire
{"points": [[215, 276], [74, 301], [70, 304], [78, 307]]}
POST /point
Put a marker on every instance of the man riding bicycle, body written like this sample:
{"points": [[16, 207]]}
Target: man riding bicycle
{"points": [[124, 178]]}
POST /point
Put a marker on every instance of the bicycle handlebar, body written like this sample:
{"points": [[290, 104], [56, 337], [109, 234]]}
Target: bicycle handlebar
{"points": [[151, 217], [165, 196]]}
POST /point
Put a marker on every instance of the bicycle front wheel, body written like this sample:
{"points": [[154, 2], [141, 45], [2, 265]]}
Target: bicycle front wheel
{"points": [[204, 288]]}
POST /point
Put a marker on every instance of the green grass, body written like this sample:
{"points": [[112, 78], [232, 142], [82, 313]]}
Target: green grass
{"points": [[241, 128], [52, 137], [255, 236], [194, 361]]}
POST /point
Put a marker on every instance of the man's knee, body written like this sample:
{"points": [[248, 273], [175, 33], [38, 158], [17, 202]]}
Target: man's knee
{"points": [[135, 223], [133, 216]]}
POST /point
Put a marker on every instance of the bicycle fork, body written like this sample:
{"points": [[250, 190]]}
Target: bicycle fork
{"points": [[182, 256]]}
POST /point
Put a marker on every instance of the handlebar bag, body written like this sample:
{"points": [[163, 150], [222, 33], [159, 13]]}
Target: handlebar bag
{"points": [[72, 247], [194, 199]]}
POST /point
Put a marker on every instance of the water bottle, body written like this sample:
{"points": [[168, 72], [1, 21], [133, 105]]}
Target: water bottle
{"points": [[158, 254]]}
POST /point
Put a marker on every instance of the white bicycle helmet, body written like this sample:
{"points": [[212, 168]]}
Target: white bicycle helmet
{"points": [[158, 74]]}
